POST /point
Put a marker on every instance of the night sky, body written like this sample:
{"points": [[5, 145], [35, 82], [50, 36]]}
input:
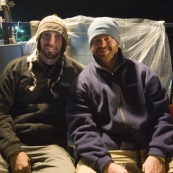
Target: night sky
{"points": [[27, 10]]}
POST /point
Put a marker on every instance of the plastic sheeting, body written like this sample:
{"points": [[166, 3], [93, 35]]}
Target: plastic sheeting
{"points": [[142, 40]]}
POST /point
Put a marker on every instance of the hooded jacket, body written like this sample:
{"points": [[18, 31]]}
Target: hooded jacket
{"points": [[29, 112], [105, 109]]}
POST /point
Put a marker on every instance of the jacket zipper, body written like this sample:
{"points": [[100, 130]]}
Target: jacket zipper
{"points": [[121, 111], [49, 79], [117, 89]]}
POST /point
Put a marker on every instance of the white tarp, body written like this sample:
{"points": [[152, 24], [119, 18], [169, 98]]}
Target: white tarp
{"points": [[141, 39]]}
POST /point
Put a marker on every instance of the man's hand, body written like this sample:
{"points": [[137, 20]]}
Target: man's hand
{"points": [[114, 168], [20, 163], [153, 165]]}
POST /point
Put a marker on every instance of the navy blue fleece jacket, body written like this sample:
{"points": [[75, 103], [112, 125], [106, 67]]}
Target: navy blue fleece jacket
{"points": [[128, 105]]}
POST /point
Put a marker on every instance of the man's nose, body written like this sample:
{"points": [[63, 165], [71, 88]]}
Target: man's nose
{"points": [[52, 39], [102, 43]]}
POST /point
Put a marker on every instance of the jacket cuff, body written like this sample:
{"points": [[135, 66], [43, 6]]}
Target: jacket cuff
{"points": [[157, 152], [101, 163], [10, 150]]}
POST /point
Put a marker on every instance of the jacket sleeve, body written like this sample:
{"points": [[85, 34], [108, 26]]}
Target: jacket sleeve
{"points": [[9, 143], [160, 127], [83, 130]]}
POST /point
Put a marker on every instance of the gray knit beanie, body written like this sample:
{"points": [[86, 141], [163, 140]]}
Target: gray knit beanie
{"points": [[52, 23], [103, 25]]}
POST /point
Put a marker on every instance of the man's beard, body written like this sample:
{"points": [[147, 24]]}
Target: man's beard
{"points": [[50, 55]]}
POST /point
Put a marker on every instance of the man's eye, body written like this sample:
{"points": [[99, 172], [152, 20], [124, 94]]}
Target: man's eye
{"points": [[58, 36], [108, 38], [95, 41], [45, 34]]}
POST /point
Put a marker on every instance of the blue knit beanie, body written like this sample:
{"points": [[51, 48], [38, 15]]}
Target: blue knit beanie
{"points": [[103, 25]]}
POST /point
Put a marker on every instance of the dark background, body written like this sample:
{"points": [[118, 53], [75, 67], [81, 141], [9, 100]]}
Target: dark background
{"points": [[26, 10]]}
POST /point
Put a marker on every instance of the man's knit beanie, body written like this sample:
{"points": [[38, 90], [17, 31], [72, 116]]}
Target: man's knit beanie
{"points": [[103, 25], [52, 23]]}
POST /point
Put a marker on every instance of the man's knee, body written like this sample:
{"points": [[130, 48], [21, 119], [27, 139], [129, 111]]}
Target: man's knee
{"points": [[83, 168], [169, 164]]}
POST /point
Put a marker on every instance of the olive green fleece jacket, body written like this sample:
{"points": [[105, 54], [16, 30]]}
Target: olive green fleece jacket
{"points": [[33, 117]]}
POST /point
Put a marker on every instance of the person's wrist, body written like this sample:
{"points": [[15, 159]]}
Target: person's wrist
{"points": [[105, 169], [159, 157], [14, 154]]}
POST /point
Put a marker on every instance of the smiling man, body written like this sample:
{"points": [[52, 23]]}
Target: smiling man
{"points": [[118, 111], [50, 46], [33, 92]]}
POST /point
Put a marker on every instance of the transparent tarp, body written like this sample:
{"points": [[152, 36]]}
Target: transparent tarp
{"points": [[142, 40]]}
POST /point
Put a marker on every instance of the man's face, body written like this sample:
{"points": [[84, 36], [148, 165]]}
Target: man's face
{"points": [[51, 45], [104, 47]]}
